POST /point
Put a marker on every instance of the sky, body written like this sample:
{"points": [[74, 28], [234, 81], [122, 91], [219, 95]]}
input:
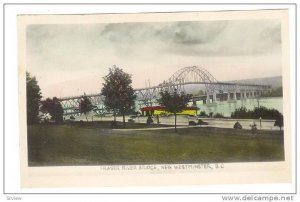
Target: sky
{"points": [[72, 59]]}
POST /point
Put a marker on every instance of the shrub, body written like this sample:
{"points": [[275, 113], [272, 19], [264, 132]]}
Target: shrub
{"points": [[253, 128], [192, 123], [279, 122], [203, 113], [241, 112], [218, 115], [200, 122], [149, 120], [237, 125]]}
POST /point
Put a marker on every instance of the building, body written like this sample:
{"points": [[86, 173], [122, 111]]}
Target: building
{"points": [[160, 110]]}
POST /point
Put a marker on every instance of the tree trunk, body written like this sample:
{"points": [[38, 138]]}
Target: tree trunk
{"points": [[175, 122], [124, 124], [86, 117], [114, 115]]}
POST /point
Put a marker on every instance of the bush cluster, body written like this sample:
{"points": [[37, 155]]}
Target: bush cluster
{"points": [[256, 113], [218, 115]]}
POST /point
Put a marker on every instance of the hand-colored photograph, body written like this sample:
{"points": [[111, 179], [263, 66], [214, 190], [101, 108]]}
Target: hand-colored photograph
{"points": [[171, 92]]}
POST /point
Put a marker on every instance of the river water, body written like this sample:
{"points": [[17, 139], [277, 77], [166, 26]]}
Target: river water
{"points": [[227, 107]]}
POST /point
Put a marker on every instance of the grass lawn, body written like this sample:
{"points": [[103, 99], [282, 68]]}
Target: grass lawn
{"points": [[57, 145]]}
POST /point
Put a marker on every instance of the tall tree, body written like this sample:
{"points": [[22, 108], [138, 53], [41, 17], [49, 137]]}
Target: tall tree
{"points": [[33, 98], [85, 106], [54, 108], [118, 92], [174, 102]]}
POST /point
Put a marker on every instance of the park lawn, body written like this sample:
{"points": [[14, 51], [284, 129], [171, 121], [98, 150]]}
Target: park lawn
{"points": [[58, 145]]}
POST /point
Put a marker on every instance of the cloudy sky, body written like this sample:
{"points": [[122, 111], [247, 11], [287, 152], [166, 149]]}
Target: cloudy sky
{"points": [[72, 59]]}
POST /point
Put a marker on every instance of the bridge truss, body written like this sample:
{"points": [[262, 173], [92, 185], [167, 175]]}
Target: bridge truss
{"points": [[198, 75], [184, 76]]}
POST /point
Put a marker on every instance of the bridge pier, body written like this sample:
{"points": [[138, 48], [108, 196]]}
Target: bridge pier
{"points": [[228, 96], [234, 96], [249, 94], [214, 97], [207, 98]]}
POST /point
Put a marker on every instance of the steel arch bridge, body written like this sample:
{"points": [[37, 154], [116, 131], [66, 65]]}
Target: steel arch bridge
{"points": [[181, 78], [197, 75]]}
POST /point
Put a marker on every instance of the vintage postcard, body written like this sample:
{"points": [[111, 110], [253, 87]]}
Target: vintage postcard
{"points": [[154, 99]]}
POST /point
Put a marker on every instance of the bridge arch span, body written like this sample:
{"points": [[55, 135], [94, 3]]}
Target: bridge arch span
{"points": [[190, 75]]}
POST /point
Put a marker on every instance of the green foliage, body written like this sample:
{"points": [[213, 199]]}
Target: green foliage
{"points": [[85, 105], [218, 115], [241, 113], [259, 112], [174, 102], [54, 108], [203, 113], [33, 98], [118, 92], [279, 121], [237, 125], [256, 113]]}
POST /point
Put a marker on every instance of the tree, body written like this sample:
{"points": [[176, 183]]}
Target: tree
{"points": [[85, 106], [279, 121], [33, 98], [118, 92], [54, 108], [257, 113], [174, 102]]}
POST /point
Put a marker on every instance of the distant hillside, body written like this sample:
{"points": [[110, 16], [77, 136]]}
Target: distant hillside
{"points": [[275, 82]]}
